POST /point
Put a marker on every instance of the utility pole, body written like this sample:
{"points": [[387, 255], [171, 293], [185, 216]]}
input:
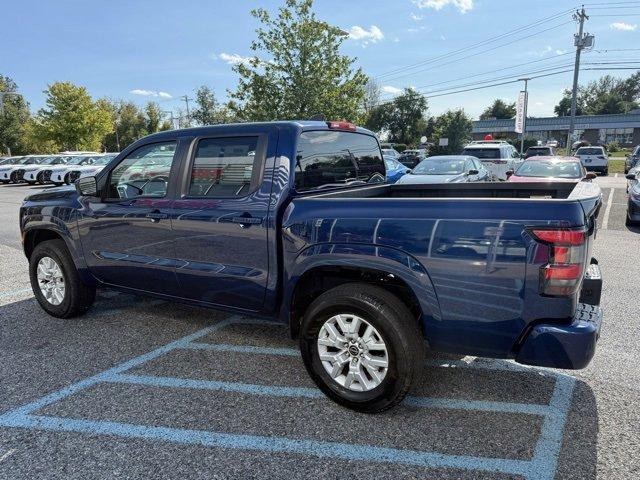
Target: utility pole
{"points": [[173, 119], [581, 42], [186, 101], [524, 114]]}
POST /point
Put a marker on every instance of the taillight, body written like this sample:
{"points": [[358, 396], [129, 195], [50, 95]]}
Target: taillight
{"points": [[562, 273], [341, 125]]}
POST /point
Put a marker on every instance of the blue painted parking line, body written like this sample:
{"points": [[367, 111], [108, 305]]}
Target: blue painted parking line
{"points": [[15, 292], [542, 465]]}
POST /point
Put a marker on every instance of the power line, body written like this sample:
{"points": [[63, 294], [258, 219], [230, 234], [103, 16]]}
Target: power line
{"points": [[476, 45]]}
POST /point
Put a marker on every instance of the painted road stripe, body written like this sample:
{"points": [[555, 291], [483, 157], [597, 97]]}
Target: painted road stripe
{"points": [[7, 454], [304, 392], [91, 381], [320, 449], [607, 211], [16, 292], [224, 347]]}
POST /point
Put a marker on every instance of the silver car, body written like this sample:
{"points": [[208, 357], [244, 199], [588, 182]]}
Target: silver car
{"points": [[446, 169]]}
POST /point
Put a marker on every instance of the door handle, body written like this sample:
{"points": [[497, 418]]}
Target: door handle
{"points": [[156, 216], [243, 221]]}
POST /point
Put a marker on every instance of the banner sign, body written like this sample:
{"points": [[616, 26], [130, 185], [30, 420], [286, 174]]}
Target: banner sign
{"points": [[522, 100]]}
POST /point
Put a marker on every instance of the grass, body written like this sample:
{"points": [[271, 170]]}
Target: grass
{"points": [[616, 165]]}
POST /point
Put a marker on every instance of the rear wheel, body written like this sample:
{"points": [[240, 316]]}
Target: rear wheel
{"points": [[13, 178], [362, 347], [40, 178], [56, 283]]}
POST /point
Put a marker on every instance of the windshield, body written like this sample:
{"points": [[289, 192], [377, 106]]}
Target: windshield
{"points": [[482, 152], [540, 168], [538, 151], [77, 160], [589, 151], [51, 161], [440, 166], [32, 160], [103, 160]]}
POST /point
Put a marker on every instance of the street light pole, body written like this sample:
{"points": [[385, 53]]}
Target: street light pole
{"points": [[524, 114]]}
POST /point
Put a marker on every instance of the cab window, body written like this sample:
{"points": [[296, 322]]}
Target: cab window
{"points": [[143, 173]]}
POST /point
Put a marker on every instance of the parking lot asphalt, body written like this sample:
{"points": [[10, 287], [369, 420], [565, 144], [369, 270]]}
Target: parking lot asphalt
{"points": [[141, 388]]}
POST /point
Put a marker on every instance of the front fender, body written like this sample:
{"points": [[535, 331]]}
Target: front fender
{"points": [[367, 257]]}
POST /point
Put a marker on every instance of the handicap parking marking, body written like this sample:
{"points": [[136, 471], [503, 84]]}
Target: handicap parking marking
{"points": [[542, 465]]}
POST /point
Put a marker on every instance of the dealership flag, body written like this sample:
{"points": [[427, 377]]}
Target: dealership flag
{"points": [[522, 98]]}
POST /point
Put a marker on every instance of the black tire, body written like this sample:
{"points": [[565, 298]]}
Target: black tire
{"points": [[13, 178], [398, 329], [78, 297], [66, 179], [40, 179]]}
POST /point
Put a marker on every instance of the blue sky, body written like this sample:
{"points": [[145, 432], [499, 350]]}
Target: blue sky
{"points": [[160, 50]]}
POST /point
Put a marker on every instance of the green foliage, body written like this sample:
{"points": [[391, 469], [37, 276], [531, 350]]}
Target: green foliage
{"points": [[607, 95], [72, 119], [499, 109], [154, 121], [34, 139], [454, 125], [613, 147], [130, 122], [400, 147], [403, 118], [296, 70], [13, 120], [528, 142], [206, 112]]}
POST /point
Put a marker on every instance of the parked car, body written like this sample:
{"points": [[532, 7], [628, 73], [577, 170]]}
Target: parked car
{"points": [[391, 152], [35, 173], [447, 169], [540, 151], [632, 160], [411, 158], [9, 160], [90, 169], [633, 202], [553, 143], [361, 271], [594, 158], [13, 172], [395, 170], [633, 176], [497, 156], [550, 169], [59, 174]]}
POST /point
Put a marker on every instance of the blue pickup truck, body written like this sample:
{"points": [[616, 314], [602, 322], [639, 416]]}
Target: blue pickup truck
{"points": [[295, 221]]}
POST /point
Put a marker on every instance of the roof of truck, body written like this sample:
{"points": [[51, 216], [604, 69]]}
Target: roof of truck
{"points": [[211, 129]]}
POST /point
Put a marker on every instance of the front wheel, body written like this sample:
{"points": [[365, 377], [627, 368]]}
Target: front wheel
{"points": [[56, 283], [362, 347]]}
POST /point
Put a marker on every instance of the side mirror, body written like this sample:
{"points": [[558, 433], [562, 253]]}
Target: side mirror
{"points": [[409, 171], [591, 176], [508, 173], [630, 176], [87, 186], [473, 171]]}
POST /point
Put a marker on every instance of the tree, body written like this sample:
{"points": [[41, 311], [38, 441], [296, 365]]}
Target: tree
{"points": [[34, 139], [207, 107], [154, 122], [296, 70], [371, 96], [403, 118], [13, 117], [72, 119], [499, 109], [607, 95], [456, 127], [129, 124]]}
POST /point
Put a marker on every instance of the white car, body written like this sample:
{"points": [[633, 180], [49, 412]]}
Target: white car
{"points": [[58, 174], [35, 173], [90, 169], [390, 152], [594, 159], [497, 156], [13, 172]]}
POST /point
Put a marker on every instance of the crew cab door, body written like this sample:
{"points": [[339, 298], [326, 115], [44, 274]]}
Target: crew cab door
{"points": [[126, 235], [220, 220]]}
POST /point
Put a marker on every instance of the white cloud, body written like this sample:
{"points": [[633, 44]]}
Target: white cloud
{"points": [[463, 6], [391, 90], [416, 17], [560, 51], [396, 40], [149, 93], [232, 58], [626, 27], [373, 35]]}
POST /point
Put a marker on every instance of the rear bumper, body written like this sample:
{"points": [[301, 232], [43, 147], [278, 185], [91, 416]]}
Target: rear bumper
{"points": [[564, 346]]}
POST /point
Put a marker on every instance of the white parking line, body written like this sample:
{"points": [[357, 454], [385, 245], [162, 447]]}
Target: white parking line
{"points": [[7, 454], [605, 220]]}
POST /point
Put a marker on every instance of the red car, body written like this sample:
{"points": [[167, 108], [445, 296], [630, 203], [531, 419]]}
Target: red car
{"points": [[550, 169]]}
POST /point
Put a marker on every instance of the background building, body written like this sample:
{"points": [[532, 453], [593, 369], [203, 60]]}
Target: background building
{"points": [[596, 129]]}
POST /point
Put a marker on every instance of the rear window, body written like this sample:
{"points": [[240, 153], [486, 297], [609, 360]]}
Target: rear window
{"points": [[538, 150], [330, 159], [482, 153], [590, 151]]}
